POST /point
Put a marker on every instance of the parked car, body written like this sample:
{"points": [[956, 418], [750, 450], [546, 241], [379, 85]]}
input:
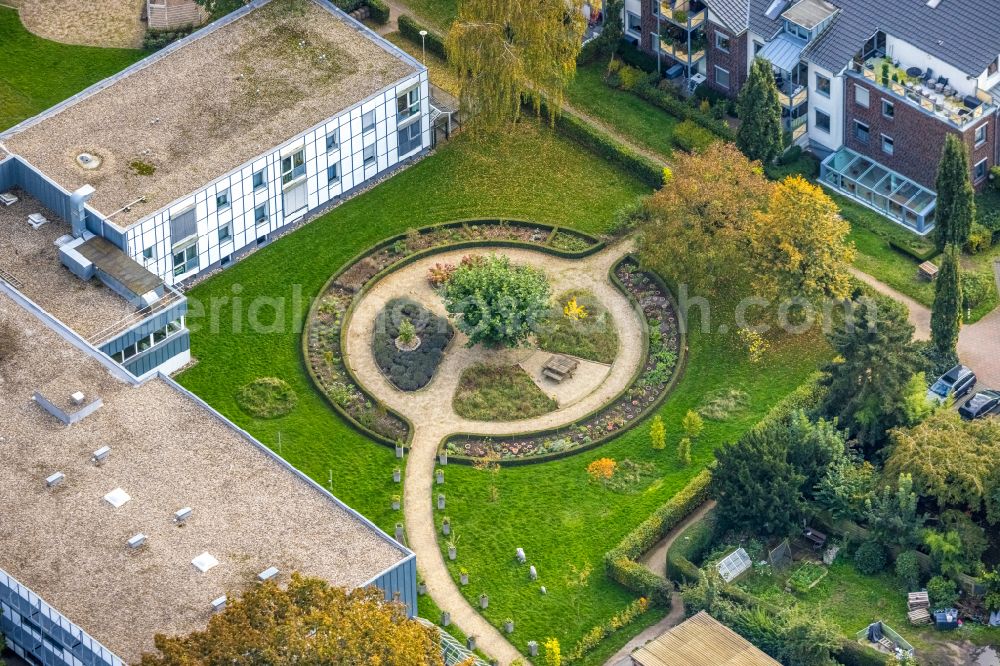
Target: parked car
{"points": [[954, 384], [980, 405]]}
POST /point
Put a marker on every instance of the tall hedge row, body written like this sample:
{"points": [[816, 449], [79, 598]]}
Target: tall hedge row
{"points": [[683, 110], [620, 562], [410, 29]]}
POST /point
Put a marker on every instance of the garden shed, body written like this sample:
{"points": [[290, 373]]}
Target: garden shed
{"points": [[700, 640]]}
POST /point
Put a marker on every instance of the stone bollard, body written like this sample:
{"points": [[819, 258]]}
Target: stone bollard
{"points": [[484, 601], [520, 556], [532, 648], [445, 618], [440, 501], [443, 457], [533, 572], [470, 643], [396, 475], [399, 532], [446, 527], [440, 476], [399, 451]]}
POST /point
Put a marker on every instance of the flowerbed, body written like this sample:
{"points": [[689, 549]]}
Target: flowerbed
{"points": [[324, 327], [413, 369], [648, 388], [807, 577]]}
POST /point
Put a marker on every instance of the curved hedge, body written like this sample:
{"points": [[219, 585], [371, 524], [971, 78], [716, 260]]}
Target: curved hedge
{"points": [[678, 372], [621, 561], [596, 245]]}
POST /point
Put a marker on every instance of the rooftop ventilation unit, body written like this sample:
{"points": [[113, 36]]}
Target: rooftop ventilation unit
{"points": [[219, 603], [117, 498], [100, 455], [204, 562], [182, 514], [54, 480], [137, 541], [8, 199], [267, 574], [78, 398]]}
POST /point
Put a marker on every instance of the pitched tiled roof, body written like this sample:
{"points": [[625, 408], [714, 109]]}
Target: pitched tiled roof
{"points": [[734, 14], [962, 33]]}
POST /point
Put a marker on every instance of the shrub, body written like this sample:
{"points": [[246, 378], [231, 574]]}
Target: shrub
{"points": [[658, 433], [679, 108], [409, 370], [870, 558], [154, 40], [943, 592], [684, 451], [692, 138], [439, 274], [631, 55], [267, 398], [689, 547], [908, 568], [602, 469], [630, 78], [995, 177], [853, 653], [410, 29], [378, 11], [980, 239], [976, 288]]}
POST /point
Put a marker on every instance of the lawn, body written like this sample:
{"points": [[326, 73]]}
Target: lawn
{"points": [[632, 117], [36, 73], [499, 393], [589, 333], [530, 173], [439, 13], [566, 523]]}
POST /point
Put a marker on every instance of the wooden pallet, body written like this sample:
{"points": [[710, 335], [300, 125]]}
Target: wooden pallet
{"points": [[916, 600], [919, 616]]}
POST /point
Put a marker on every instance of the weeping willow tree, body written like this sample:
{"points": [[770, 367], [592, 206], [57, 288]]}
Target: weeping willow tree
{"points": [[506, 51]]}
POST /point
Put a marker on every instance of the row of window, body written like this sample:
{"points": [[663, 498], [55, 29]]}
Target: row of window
{"points": [[155, 338]]}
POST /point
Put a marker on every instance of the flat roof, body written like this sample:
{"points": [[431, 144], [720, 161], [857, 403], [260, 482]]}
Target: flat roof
{"points": [[810, 13], [701, 640], [68, 543], [30, 259], [118, 265], [233, 91]]}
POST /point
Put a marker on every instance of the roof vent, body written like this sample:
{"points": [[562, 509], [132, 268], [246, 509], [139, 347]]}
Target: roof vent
{"points": [[137, 541], [78, 397], [219, 603], [54, 480], [267, 574], [100, 455], [182, 514], [88, 160], [117, 498], [933, 3], [204, 562]]}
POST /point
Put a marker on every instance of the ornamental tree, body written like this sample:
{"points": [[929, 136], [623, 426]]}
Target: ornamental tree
{"points": [[946, 315], [506, 51], [497, 303], [309, 622], [760, 132], [956, 203]]}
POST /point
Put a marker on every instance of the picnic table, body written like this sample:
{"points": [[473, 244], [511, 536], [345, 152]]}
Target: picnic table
{"points": [[559, 367]]}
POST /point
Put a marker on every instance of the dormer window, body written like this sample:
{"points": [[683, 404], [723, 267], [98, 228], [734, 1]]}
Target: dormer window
{"points": [[797, 30]]}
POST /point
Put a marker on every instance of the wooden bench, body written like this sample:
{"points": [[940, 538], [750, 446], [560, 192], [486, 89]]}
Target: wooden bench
{"points": [[815, 537], [928, 270], [559, 367]]}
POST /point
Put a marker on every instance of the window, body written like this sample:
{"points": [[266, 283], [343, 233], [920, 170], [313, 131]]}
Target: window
{"points": [[980, 135], [368, 121], [861, 96], [992, 69], [861, 131], [797, 30], [888, 109], [722, 42], [888, 145], [260, 214], [409, 138], [633, 23], [822, 85], [823, 121], [757, 46], [148, 253], [225, 233], [118, 357], [186, 259], [222, 199], [333, 140], [722, 77], [368, 154], [160, 335], [979, 171], [126, 353], [333, 174], [183, 225], [260, 179], [408, 104], [293, 166]]}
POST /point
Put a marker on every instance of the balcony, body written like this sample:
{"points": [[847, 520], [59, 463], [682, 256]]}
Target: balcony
{"points": [[682, 13], [922, 89], [796, 128], [686, 48], [791, 95]]}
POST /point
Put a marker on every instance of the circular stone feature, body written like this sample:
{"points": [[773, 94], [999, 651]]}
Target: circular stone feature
{"points": [[409, 368], [267, 398], [88, 160]]}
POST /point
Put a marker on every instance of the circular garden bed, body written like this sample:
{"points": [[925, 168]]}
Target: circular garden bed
{"points": [[322, 346], [409, 365], [647, 390]]}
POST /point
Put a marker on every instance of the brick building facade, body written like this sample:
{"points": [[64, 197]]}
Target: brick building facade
{"points": [[734, 62]]}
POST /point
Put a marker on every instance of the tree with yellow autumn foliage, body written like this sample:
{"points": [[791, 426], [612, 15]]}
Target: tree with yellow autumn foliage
{"points": [[309, 622], [602, 469]]}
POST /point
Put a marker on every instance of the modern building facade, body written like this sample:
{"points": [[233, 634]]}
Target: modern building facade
{"points": [[208, 149], [872, 86]]}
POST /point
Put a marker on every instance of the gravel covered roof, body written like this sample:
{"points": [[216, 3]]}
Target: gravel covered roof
{"points": [[236, 90], [68, 543], [31, 257]]}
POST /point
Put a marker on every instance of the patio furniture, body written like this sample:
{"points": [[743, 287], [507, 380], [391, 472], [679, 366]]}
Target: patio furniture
{"points": [[928, 75], [815, 537], [938, 87], [559, 367], [928, 271], [913, 72]]}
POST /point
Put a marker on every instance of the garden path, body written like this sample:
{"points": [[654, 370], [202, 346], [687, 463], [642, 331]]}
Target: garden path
{"points": [[430, 408], [920, 314]]}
